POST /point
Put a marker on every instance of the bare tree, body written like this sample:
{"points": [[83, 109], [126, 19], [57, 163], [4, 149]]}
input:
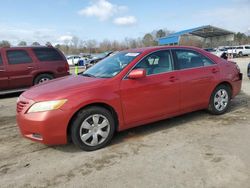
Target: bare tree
{"points": [[160, 33], [48, 44], [91, 45], [35, 44], [148, 40], [22, 43], [105, 45], [75, 41], [5, 43]]}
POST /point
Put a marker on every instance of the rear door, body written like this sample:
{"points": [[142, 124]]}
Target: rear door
{"points": [[4, 82], [20, 67], [50, 60], [198, 76]]}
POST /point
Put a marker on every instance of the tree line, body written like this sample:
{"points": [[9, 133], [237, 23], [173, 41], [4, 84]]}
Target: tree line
{"points": [[77, 45]]}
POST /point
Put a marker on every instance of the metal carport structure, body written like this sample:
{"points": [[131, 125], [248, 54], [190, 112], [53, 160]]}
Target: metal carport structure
{"points": [[205, 34]]}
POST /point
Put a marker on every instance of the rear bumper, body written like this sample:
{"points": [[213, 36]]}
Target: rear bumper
{"points": [[49, 128]]}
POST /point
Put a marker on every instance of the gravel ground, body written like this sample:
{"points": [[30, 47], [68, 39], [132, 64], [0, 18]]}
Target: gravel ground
{"points": [[193, 150]]}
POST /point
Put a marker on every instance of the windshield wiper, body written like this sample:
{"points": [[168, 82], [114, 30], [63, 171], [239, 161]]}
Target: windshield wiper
{"points": [[88, 75]]}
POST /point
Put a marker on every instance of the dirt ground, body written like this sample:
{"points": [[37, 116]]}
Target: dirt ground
{"points": [[193, 150]]}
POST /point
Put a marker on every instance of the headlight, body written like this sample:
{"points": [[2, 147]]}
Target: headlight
{"points": [[46, 106]]}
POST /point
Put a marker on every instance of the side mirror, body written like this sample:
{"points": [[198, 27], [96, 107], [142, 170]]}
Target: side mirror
{"points": [[137, 73]]}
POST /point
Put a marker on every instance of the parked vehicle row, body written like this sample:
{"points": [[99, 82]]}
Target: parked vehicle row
{"points": [[234, 51], [88, 60], [217, 51], [22, 67], [131, 88], [243, 50]]}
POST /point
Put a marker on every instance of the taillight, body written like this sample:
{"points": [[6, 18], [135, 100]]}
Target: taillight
{"points": [[67, 67]]}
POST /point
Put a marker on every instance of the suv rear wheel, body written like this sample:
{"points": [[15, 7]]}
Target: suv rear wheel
{"points": [[42, 78]]}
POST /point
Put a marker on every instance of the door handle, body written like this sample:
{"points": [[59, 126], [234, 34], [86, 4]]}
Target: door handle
{"points": [[214, 70], [2, 70], [30, 67], [173, 79]]}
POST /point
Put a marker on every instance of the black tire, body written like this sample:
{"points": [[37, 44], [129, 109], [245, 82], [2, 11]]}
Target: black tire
{"points": [[212, 103], [42, 78], [240, 54], [83, 116]]}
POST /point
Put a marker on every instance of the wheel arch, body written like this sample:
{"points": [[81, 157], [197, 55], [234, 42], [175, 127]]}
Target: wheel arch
{"points": [[97, 104], [225, 83]]}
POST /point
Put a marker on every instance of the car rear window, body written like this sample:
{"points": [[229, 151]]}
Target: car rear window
{"points": [[47, 54], [18, 57], [1, 61]]}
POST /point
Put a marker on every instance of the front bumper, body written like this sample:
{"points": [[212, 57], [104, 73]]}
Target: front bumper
{"points": [[49, 127]]}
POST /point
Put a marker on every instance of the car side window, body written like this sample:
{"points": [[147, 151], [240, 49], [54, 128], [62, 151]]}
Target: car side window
{"points": [[18, 57], [1, 61], [189, 59], [47, 54], [157, 62]]}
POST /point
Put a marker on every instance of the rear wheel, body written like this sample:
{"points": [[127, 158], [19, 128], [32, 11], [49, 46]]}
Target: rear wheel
{"points": [[240, 54], [220, 100], [43, 78], [93, 128]]}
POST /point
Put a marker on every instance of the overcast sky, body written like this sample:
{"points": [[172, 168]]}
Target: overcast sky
{"points": [[57, 20]]}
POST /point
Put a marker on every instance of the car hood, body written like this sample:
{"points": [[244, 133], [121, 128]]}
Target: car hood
{"points": [[62, 88]]}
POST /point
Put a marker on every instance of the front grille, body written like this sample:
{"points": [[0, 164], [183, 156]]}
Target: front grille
{"points": [[21, 105]]}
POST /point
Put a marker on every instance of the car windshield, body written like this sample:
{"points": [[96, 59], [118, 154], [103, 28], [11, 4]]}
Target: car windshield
{"points": [[110, 66]]}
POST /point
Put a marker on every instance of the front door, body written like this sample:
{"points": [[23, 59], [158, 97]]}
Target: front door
{"points": [[152, 97]]}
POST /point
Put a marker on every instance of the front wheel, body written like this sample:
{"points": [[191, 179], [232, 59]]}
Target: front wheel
{"points": [[93, 128], [220, 100]]}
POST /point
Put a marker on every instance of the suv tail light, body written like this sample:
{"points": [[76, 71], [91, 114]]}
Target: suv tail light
{"points": [[67, 67]]}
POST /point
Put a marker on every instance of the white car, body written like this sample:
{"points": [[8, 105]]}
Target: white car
{"points": [[231, 51], [219, 51], [73, 59], [216, 51], [243, 50]]}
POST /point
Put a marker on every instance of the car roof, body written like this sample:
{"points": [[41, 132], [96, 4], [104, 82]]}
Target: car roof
{"points": [[155, 48], [25, 47]]}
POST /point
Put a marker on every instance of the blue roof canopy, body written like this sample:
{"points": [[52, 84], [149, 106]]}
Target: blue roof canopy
{"points": [[169, 40], [203, 31]]}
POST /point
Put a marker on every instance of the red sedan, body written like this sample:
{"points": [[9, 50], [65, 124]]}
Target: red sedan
{"points": [[129, 89]]}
